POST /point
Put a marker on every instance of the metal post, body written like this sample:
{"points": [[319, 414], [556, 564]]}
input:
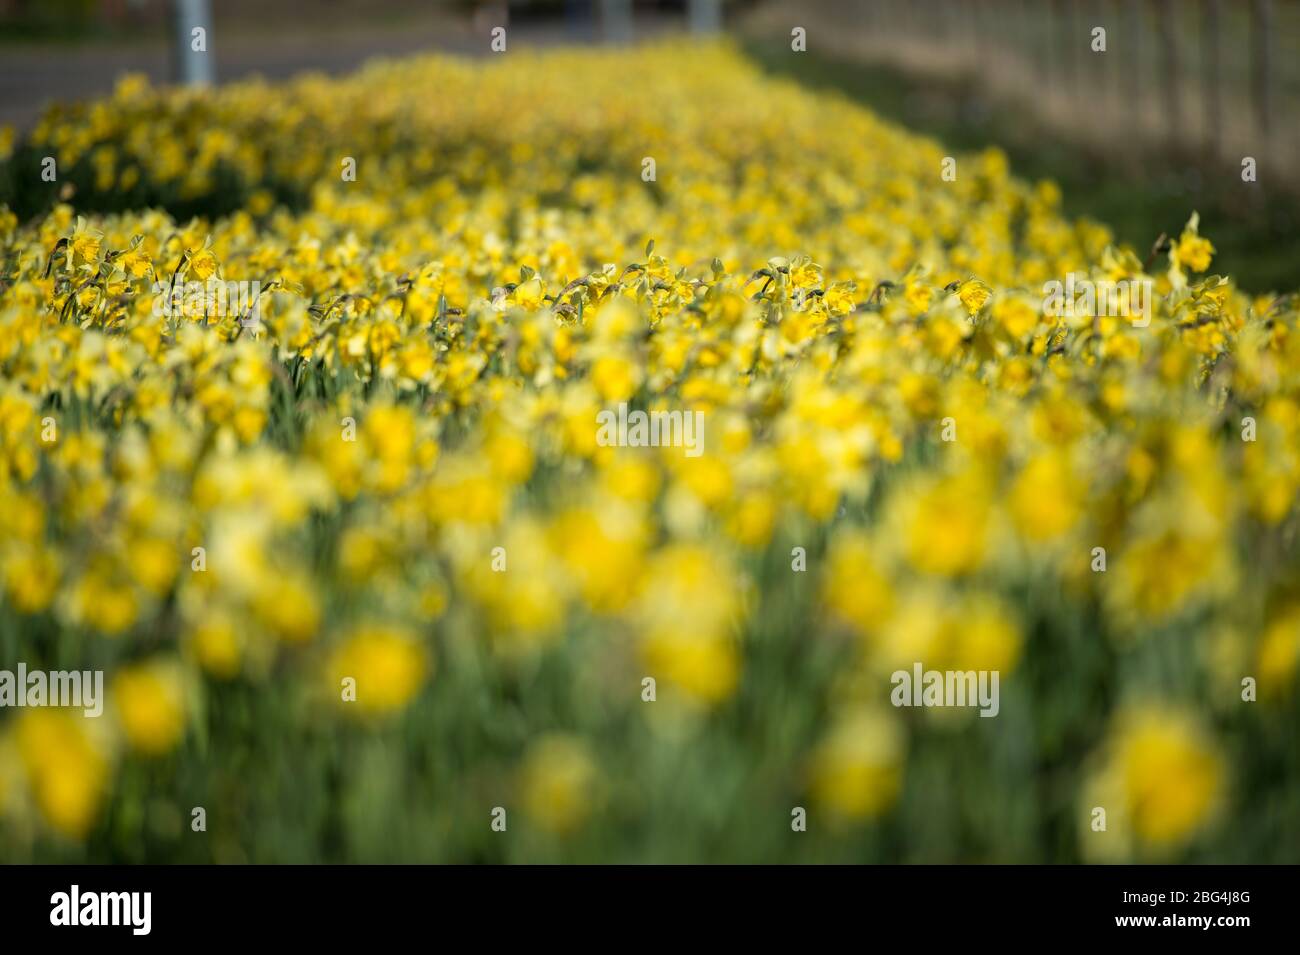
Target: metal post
{"points": [[192, 56], [706, 16], [616, 20]]}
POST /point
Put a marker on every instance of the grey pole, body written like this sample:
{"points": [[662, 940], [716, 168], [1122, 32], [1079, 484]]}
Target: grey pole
{"points": [[616, 20], [706, 16], [192, 50]]}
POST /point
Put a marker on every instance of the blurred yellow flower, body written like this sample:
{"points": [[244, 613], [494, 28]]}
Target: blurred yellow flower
{"points": [[947, 524], [67, 770], [973, 294], [1160, 782], [558, 781], [150, 701], [687, 611], [856, 771], [388, 664], [1279, 653], [1194, 251], [216, 643], [854, 588], [1047, 498]]}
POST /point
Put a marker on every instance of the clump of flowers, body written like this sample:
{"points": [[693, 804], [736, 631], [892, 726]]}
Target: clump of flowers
{"points": [[397, 462]]}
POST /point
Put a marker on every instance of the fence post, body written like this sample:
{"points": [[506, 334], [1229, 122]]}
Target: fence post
{"points": [[1056, 69], [1172, 65], [1210, 22], [1025, 41], [1072, 43], [1261, 48], [1133, 28]]}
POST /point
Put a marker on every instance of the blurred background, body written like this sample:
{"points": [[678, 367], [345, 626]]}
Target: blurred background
{"points": [[1138, 134]]}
